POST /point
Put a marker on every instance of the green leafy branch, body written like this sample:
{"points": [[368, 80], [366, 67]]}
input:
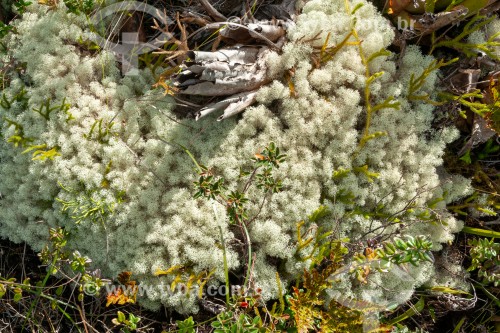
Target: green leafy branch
{"points": [[80, 6], [399, 251], [416, 83], [128, 325], [42, 153], [469, 100], [18, 139], [180, 272], [359, 171], [19, 97], [413, 250], [326, 53], [213, 188], [21, 6], [46, 109], [314, 239], [4, 29], [388, 103], [57, 257], [86, 206], [242, 323], [470, 49], [485, 255], [11, 285], [486, 105], [102, 134], [490, 207]]}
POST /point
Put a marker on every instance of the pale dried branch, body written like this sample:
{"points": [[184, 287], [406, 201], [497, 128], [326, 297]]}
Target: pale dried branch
{"points": [[222, 73], [231, 105], [272, 31], [219, 25], [244, 101]]}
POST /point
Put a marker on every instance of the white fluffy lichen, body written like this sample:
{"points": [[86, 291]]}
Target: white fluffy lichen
{"points": [[143, 181]]}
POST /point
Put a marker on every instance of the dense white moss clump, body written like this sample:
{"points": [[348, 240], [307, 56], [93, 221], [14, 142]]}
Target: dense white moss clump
{"points": [[155, 223]]}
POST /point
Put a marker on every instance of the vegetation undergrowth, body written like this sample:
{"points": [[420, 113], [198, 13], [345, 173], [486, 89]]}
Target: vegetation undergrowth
{"points": [[70, 295]]}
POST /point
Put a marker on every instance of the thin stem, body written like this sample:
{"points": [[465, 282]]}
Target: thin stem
{"points": [[226, 270], [249, 264]]}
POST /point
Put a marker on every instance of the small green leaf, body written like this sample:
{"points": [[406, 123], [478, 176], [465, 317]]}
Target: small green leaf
{"points": [[133, 319], [59, 290], [17, 297], [466, 157], [322, 211], [448, 290], [481, 232], [3, 290], [121, 316]]}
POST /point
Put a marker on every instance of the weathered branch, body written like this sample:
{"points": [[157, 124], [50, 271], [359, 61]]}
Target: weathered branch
{"points": [[257, 35], [235, 72], [231, 105], [243, 102], [268, 31], [222, 73], [214, 13]]}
